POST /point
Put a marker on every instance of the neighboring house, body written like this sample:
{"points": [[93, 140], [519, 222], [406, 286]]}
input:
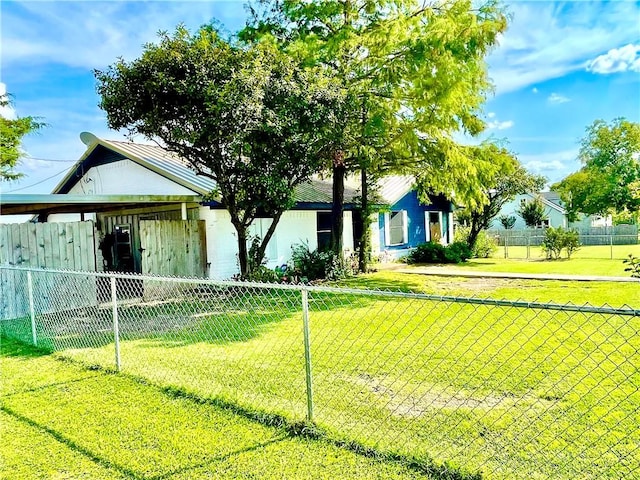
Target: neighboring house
{"points": [[409, 222], [554, 209], [114, 168]]}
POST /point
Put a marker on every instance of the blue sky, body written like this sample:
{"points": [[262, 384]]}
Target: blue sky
{"points": [[559, 67]]}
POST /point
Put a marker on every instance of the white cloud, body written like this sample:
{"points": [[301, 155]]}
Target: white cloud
{"points": [[553, 165], [548, 40], [616, 60], [496, 125], [557, 98], [94, 34], [534, 90]]}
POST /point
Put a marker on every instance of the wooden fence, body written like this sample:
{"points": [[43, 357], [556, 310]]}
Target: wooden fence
{"points": [[51, 246], [63, 246]]}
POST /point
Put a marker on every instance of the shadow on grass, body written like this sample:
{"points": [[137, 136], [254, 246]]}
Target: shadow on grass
{"points": [[12, 347], [123, 470]]}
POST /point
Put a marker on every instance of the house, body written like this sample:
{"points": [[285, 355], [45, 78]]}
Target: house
{"points": [[408, 221], [128, 234], [554, 209]]}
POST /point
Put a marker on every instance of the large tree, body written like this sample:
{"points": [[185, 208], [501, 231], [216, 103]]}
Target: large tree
{"points": [[417, 73], [609, 180], [511, 179], [248, 118], [12, 131]]}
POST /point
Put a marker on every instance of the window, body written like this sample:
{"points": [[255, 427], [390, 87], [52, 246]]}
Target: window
{"points": [[396, 227], [323, 229]]}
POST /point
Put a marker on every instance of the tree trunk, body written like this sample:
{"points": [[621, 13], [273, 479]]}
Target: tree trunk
{"points": [[474, 230], [243, 257], [267, 237], [337, 220], [364, 240]]}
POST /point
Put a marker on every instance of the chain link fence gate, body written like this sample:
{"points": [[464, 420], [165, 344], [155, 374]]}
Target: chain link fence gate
{"points": [[474, 388]]}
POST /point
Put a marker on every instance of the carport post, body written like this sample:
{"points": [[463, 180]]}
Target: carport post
{"points": [[32, 310], [116, 332], [307, 354]]}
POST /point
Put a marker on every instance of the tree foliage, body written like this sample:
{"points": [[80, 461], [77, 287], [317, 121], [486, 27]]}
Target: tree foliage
{"points": [[609, 180], [507, 221], [510, 179], [415, 72], [532, 212], [248, 118], [12, 131]]}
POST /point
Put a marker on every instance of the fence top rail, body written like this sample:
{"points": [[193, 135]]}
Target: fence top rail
{"points": [[625, 310]]}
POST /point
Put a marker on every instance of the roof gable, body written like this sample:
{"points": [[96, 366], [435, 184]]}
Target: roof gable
{"points": [[176, 169]]}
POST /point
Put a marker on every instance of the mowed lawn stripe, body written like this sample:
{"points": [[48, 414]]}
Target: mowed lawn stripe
{"points": [[88, 424]]}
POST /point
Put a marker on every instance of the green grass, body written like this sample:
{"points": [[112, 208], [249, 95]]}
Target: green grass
{"points": [[592, 252], [546, 291], [455, 387], [59, 420]]}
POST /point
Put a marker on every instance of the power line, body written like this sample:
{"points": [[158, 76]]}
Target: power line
{"points": [[37, 183], [50, 160]]}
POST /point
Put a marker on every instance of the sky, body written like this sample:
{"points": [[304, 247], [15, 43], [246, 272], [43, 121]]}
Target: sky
{"points": [[558, 68]]}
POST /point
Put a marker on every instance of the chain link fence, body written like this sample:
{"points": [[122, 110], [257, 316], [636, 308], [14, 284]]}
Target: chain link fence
{"points": [[526, 244], [464, 387]]}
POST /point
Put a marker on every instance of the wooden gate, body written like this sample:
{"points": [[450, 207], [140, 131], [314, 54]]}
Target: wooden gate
{"points": [[173, 247]]}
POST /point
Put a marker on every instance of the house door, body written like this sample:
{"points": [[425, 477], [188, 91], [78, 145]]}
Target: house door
{"points": [[173, 247], [433, 222]]}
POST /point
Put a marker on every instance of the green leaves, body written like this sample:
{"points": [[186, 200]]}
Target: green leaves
{"points": [[11, 133], [609, 181], [246, 116]]}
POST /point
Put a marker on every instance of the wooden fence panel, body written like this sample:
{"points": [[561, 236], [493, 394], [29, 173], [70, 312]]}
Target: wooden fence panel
{"points": [[52, 246], [173, 247]]}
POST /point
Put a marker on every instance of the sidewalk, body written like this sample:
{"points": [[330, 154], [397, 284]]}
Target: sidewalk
{"points": [[444, 271]]}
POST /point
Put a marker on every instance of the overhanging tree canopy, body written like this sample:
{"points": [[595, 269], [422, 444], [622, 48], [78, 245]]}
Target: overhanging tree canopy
{"points": [[417, 71], [248, 118]]}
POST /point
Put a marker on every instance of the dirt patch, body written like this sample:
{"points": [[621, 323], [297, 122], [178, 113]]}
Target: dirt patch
{"points": [[417, 405]]}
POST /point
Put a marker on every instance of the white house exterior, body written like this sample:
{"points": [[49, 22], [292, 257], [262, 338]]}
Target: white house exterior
{"points": [[124, 168]]}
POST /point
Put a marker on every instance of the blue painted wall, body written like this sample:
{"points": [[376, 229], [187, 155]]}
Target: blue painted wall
{"points": [[415, 219]]}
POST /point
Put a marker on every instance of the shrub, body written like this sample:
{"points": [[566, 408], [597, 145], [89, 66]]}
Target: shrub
{"points": [[485, 244], [457, 252], [571, 242], [430, 252], [307, 265], [634, 266], [433, 252], [552, 243], [558, 239]]}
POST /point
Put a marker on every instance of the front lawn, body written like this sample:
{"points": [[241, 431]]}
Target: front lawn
{"points": [[451, 386], [59, 420], [547, 291]]}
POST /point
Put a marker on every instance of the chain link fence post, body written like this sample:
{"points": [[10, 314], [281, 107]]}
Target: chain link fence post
{"points": [[611, 245], [116, 331], [307, 353], [32, 310]]}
